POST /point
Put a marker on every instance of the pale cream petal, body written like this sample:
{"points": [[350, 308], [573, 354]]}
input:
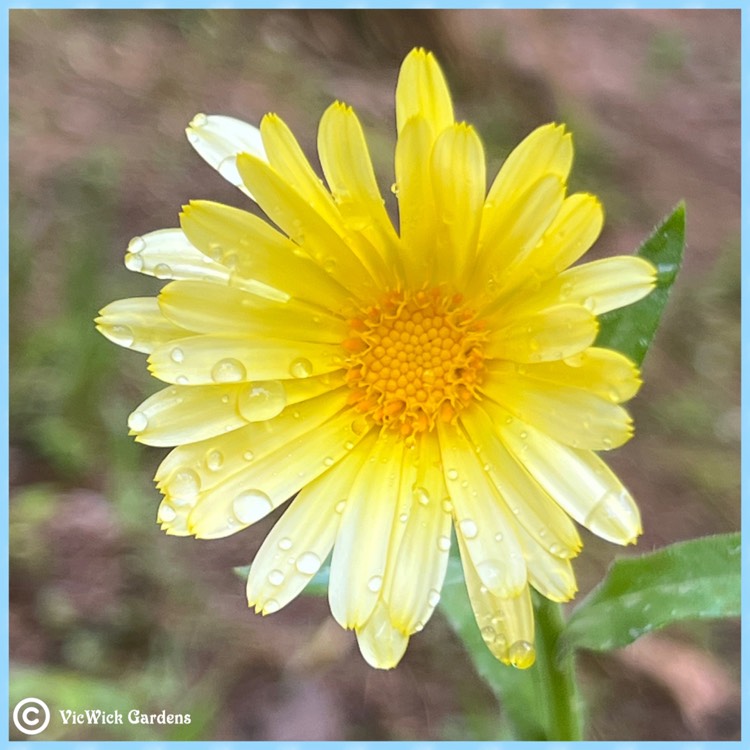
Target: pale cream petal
{"points": [[210, 309], [421, 90], [416, 571], [551, 576], [483, 521], [204, 360], [168, 254], [348, 169], [604, 372], [218, 139], [548, 150], [416, 204], [206, 464], [578, 480], [381, 644], [459, 183], [573, 416], [257, 253], [306, 227], [302, 538], [531, 506], [506, 623], [360, 555], [248, 495], [138, 323], [549, 334]]}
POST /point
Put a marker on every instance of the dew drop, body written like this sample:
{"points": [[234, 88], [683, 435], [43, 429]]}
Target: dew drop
{"points": [[181, 380], [433, 598], [167, 513], [468, 528], [199, 120], [444, 543], [488, 634], [228, 170], [185, 483], [276, 578], [122, 335], [248, 455], [521, 654], [340, 505], [394, 188], [348, 445], [329, 264], [359, 425], [491, 574], [328, 461], [228, 371], [162, 271], [137, 421], [260, 401], [375, 584], [133, 262], [421, 495], [498, 537], [452, 474], [308, 563], [214, 460], [301, 368], [271, 606], [447, 505], [285, 543], [403, 518], [136, 245], [251, 505], [177, 355]]}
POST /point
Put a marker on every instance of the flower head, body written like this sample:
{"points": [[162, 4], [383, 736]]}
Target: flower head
{"points": [[396, 384]]}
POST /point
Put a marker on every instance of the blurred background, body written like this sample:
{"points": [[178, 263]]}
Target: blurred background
{"points": [[106, 611]]}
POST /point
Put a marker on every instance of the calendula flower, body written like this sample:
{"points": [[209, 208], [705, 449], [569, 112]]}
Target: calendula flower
{"points": [[397, 384]]}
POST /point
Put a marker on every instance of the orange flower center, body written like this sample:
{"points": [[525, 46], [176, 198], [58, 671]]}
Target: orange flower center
{"points": [[415, 358]]}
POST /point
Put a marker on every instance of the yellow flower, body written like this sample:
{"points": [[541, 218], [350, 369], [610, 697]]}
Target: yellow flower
{"points": [[398, 383]]}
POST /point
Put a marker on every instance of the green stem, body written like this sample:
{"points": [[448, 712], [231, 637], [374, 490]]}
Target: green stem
{"points": [[555, 676]]}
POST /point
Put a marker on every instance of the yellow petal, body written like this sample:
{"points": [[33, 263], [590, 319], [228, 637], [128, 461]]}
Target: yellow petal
{"points": [[252, 251], [305, 226], [138, 323], [506, 623], [604, 372], [578, 480], [359, 559], [532, 507], [302, 538], [482, 520], [219, 139], [207, 308], [381, 644], [548, 150], [348, 170], [415, 577], [247, 496], [573, 416], [550, 575], [459, 185], [550, 334], [422, 90]]}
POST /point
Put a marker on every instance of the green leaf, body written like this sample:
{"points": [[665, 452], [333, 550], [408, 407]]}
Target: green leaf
{"points": [[631, 329], [515, 689], [697, 579]]}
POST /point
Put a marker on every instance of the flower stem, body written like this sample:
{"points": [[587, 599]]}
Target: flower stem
{"points": [[555, 675]]}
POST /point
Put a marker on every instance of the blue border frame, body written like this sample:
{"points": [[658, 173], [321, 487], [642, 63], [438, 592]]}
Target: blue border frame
{"points": [[344, 4]]}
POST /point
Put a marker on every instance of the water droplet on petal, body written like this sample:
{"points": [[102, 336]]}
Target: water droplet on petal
{"points": [[301, 368], [260, 401], [228, 170], [359, 425], [248, 455], [308, 563], [491, 574], [328, 461], [468, 528], [181, 380], [285, 543], [271, 606], [199, 120], [167, 513], [137, 421], [228, 371], [452, 474], [433, 597], [488, 634], [276, 578], [421, 495], [521, 654], [136, 245], [133, 262], [214, 460], [375, 584], [447, 505], [122, 335], [444, 543], [403, 518], [162, 271], [340, 505], [251, 505], [177, 355], [184, 483]]}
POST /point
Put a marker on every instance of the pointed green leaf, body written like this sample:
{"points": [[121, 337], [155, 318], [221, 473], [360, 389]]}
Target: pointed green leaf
{"points": [[697, 579], [631, 329]]}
